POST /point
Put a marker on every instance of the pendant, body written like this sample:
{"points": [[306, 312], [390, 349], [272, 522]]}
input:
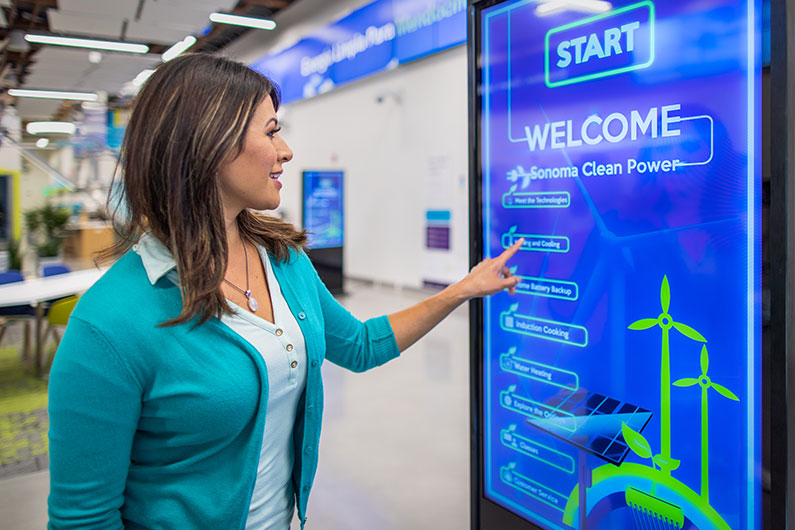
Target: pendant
{"points": [[252, 303]]}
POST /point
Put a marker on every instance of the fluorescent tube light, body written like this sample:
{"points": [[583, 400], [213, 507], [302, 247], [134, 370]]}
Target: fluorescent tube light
{"points": [[51, 127], [178, 48], [247, 22], [550, 7], [142, 76], [41, 143], [88, 43], [52, 94]]}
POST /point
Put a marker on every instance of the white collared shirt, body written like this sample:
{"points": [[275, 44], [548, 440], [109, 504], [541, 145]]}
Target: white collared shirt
{"points": [[282, 346]]}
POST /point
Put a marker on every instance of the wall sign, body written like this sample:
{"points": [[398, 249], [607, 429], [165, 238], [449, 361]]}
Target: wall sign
{"points": [[374, 38]]}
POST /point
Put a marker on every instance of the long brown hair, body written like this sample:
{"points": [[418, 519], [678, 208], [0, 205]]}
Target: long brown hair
{"points": [[190, 116]]}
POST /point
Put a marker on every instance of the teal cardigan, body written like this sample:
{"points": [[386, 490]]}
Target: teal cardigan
{"points": [[161, 427]]}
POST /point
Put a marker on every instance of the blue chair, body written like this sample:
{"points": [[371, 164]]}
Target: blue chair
{"points": [[11, 276], [52, 270], [24, 313]]}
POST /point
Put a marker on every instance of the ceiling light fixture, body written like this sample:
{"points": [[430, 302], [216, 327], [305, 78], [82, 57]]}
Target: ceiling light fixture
{"points": [[178, 48], [88, 43], [52, 94], [551, 7], [51, 127], [41, 143], [142, 76], [246, 22]]}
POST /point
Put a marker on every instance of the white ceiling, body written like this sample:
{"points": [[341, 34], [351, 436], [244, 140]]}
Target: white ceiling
{"points": [[59, 68]]}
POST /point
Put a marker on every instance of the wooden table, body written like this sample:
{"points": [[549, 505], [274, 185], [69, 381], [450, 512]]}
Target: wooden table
{"points": [[38, 291]]}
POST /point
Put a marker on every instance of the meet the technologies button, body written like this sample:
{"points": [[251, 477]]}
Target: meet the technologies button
{"points": [[537, 243], [544, 329], [539, 199]]}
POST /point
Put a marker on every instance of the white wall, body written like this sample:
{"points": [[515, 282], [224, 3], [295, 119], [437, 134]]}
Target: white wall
{"points": [[391, 153]]}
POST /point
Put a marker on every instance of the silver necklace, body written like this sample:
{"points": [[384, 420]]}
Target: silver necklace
{"points": [[252, 302]]}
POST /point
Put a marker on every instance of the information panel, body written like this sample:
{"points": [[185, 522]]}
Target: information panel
{"points": [[323, 208], [621, 383]]}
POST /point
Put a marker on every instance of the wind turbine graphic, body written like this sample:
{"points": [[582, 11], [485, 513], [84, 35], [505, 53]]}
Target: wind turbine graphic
{"points": [[705, 383], [665, 322]]}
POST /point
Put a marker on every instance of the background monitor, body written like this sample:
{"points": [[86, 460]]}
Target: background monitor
{"points": [[323, 208]]}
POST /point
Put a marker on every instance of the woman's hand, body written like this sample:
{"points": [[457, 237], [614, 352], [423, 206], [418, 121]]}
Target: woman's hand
{"points": [[491, 275], [485, 278]]}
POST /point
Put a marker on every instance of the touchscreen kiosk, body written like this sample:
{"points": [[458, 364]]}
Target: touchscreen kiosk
{"points": [[620, 387], [323, 214]]}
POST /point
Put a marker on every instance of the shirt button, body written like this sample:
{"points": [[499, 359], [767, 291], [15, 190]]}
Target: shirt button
{"points": [[279, 332], [310, 408], [306, 488], [294, 364], [301, 315], [289, 347], [314, 363], [308, 450]]}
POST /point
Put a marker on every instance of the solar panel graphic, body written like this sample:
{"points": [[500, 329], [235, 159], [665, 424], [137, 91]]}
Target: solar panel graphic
{"points": [[592, 422]]}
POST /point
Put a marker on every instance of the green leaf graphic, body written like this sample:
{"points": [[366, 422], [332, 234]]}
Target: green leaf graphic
{"points": [[666, 463], [513, 308], [665, 295], [512, 229], [514, 269], [513, 188], [643, 323], [689, 332], [512, 350], [511, 388], [687, 381], [725, 392], [636, 441], [704, 360], [512, 428]]}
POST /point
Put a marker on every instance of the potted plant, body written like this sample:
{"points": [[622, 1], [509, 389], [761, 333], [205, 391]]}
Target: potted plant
{"points": [[46, 229]]}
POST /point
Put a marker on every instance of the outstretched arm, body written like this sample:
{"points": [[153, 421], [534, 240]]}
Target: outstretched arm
{"points": [[487, 277]]}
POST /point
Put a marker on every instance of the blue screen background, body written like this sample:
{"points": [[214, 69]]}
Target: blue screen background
{"points": [[698, 227]]}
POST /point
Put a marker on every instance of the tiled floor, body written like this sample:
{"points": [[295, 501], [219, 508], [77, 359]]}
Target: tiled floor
{"points": [[394, 453]]}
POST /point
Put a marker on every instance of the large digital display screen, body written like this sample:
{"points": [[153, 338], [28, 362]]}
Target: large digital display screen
{"points": [[322, 208], [621, 383]]}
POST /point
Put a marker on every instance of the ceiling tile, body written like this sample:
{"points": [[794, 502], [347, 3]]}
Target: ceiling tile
{"points": [[69, 69], [77, 23], [37, 109], [115, 8]]}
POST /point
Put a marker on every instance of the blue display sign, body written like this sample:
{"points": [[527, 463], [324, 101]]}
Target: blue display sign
{"points": [[374, 38], [621, 383], [322, 207]]}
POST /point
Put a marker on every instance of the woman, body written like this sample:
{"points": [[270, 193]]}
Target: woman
{"points": [[187, 390]]}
